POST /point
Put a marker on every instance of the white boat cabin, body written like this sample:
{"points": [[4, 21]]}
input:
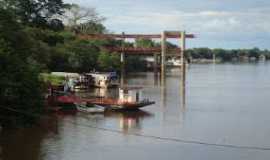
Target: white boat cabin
{"points": [[130, 95], [104, 80], [174, 62]]}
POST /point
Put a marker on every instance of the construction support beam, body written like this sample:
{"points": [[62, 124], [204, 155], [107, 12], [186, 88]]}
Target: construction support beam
{"points": [[183, 70], [163, 57], [122, 60], [183, 58]]}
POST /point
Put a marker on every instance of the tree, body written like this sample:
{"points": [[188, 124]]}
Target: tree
{"points": [[83, 20], [59, 59], [135, 63], [75, 15], [90, 27], [109, 61], [20, 88], [219, 53], [142, 42], [83, 55], [37, 13], [255, 52]]}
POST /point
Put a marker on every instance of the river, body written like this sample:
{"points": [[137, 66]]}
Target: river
{"points": [[223, 114]]}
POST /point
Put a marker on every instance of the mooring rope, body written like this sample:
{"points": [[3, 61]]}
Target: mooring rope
{"points": [[151, 136]]}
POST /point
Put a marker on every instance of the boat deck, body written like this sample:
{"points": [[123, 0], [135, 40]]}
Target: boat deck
{"points": [[106, 102]]}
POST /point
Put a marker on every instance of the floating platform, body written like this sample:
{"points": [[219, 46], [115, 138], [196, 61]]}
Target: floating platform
{"points": [[108, 103]]}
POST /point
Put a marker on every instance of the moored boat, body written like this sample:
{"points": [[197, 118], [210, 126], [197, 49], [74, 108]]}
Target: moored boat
{"points": [[129, 99], [104, 79], [67, 102], [131, 106], [89, 108]]}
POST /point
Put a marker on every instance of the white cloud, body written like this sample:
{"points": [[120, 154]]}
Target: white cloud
{"points": [[229, 23], [203, 21]]}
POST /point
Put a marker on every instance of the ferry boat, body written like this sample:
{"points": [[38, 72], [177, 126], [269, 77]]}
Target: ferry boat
{"points": [[129, 99], [104, 79]]}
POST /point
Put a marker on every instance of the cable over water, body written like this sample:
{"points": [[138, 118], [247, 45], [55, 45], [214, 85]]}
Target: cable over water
{"points": [[148, 136]]}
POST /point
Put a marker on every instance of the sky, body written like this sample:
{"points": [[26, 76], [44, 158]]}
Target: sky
{"points": [[229, 24]]}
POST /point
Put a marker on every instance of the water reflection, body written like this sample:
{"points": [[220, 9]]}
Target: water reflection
{"points": [[183, 94], [129, 121], [157, 80], [163, 97], [26, 143], [126, 121], [165, 87], [172, 97]]}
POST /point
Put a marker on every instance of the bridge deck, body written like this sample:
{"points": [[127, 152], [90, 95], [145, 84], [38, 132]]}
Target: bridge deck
{"points": [[132, 36], [141, 50]]}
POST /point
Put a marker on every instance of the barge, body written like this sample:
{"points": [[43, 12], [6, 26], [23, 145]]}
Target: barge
{"points": [[129, 99]]}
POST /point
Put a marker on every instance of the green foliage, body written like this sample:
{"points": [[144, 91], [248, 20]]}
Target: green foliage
{"points": [[67, 35], [59, 59], [20, 87], [52, 79], [109, 62], [135, 63], [38, 13], [147, 43], [83, 55], [226, 55], [49, 37], [221, 53], [29, 34], [255, 52]]}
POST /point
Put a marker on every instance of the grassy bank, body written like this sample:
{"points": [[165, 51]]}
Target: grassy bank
{"points": [[52, 79]]}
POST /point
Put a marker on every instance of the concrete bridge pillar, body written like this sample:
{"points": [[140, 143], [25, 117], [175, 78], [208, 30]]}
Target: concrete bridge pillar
{"points": [[183, 64], [122, 60], [163, 57]]}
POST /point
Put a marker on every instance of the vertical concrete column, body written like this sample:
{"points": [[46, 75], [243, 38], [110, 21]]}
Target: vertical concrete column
{"points": [[122, 60], [183, 70], [183, 58], [163, 57]]}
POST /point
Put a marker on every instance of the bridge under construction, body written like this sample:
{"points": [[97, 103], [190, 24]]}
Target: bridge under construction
{"points": [[162, 51]]}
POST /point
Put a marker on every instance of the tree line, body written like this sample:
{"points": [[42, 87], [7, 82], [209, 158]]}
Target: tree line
{"points": [[226, 55]]}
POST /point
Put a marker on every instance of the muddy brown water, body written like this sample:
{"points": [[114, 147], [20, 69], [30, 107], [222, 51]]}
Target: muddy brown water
{"points": [[224, 114]]}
